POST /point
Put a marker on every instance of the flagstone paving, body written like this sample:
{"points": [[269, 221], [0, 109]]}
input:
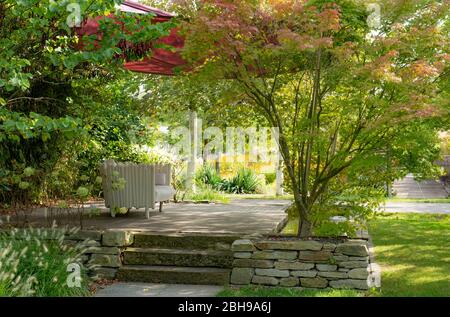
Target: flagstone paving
{"points": [[426, 208], [240, 216], [157, 290]]}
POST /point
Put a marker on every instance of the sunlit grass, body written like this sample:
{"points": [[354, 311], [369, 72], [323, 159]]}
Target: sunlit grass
{"points": [[254, 291], [413, 251], [207, 194], [291, 227]]}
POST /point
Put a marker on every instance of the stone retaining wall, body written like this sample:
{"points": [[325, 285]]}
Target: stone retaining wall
{"points": [[103, 257], [305, 263]]}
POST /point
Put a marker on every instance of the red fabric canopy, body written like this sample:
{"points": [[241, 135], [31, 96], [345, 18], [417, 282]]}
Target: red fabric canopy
{"points": [[161, 61]]}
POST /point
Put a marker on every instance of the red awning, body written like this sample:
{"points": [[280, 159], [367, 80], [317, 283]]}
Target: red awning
{"points": [[162, 61]]}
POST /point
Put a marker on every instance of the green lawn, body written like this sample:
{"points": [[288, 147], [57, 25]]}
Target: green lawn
{"points": [[291, 227], [250, 291], [412, 249]]}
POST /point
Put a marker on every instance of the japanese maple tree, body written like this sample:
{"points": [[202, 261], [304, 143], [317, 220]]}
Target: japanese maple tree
{"points": [[338, 89]]}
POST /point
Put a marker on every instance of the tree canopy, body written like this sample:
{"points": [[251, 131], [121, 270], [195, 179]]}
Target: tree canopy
{"points": [[56, 88]]}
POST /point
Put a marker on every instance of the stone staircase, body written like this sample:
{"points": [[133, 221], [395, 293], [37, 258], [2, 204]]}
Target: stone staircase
{"points": [[410, 188], [179, 258]]}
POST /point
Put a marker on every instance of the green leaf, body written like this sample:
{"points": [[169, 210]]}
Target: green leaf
{"points": [[45, 136]]}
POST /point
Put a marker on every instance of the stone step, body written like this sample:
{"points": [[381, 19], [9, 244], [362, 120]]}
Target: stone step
{"points": [[438, 188], [423, 191], [410, 188], [174, 275], [178, 257], [193, 241]]}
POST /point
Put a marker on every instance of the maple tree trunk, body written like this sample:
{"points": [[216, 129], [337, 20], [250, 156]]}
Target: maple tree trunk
{"points": [[302, 200], [305, 229], [305, 226]]}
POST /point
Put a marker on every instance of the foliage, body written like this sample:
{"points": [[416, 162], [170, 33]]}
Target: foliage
{"points": [[244, 182], [345, 211], [36, 262], [46, 137], [338, 91], [118, 126], [269, 178], [62, 101], [416, 151], [208, 175], [412, 250], [11, 283], [172, 98], [163, 155], [36, 32], [206, 194], [330, 228]]}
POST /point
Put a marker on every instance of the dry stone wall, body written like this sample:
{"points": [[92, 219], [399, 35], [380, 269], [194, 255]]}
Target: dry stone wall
{"points": [[305, 263], [104, 255]]}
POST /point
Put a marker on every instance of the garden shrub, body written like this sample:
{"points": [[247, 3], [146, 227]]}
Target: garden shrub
{"points": [[329, 228], [30, 147], [244, 182], [208, 175], [35, 263], [270, 178], [343, 213]]}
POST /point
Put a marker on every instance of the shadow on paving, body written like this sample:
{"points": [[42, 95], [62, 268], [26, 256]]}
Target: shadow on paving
{"points": [[239, 216]]}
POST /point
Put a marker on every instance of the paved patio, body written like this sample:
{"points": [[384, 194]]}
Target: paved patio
{"points": [[246, 216]]}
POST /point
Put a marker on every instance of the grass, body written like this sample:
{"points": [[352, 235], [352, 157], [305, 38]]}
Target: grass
{"points": [[207, 194], [258, 196], [291, 227], [35, 262], [254, 291], [413, 251], [419, 200]]}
